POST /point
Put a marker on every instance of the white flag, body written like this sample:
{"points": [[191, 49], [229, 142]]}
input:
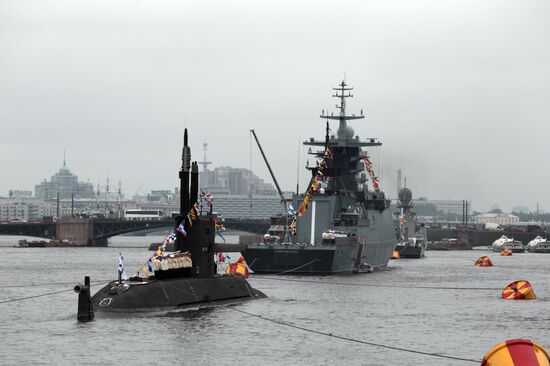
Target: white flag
{"points": [[123, 274]]}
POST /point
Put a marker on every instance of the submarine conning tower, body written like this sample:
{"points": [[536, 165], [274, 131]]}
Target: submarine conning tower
{"points": [[200, 232], [184, 279]]}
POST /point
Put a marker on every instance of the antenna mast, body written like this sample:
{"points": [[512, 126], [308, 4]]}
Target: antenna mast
{"points": [[344, 132]]}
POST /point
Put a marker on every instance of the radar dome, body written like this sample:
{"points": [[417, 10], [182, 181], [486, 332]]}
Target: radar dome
{"points": [[405, 196]]}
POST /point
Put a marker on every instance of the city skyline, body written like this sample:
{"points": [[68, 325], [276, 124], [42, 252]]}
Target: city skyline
{"points": [[144, 191], [67, 182]]}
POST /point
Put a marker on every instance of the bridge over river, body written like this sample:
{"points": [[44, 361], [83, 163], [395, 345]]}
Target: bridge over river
{"points": [[96, 232]]}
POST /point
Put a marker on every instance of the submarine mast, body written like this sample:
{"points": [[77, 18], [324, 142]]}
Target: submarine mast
{"points": [[184, 176]]}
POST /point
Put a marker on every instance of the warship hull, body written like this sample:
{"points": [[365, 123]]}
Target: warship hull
{"points": [[172, 294], [353, 255], [301, 259], [411, 252]]}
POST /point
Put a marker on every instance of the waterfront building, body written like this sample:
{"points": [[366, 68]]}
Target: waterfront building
{"points": [[65, 183], [233, 206], [19, 193], [24, 209], [446, 207], [234, 181], [496, 218]]}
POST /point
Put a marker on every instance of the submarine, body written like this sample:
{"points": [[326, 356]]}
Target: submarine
{"points": [[183, 279]]}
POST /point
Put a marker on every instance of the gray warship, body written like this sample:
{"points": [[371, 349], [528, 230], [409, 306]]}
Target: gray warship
{"points": [[342, 225], [412, 235]]}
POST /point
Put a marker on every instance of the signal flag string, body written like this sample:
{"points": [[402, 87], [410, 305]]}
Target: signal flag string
{"points": [[349, 339]]}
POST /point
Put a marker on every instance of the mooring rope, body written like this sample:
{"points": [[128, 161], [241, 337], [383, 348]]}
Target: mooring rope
{"points": [[34, 296], [349, 339], [42, 295], [48, 284]]}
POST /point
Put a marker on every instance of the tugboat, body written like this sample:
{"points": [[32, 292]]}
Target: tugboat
{"points": [[412, 237], [341, 225], [185, 278]]}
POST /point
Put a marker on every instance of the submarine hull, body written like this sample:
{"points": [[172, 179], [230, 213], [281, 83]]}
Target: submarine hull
{"points": [[171, 293]]}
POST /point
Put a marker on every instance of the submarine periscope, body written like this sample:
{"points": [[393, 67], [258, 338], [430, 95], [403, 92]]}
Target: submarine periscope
{"points": [[187, 277]]}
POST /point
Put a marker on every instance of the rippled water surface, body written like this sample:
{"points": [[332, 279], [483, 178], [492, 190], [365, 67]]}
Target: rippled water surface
{"points": [[452, 321]]}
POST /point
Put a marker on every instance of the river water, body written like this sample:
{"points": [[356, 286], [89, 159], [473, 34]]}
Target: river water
{"points": [[451, 320]]}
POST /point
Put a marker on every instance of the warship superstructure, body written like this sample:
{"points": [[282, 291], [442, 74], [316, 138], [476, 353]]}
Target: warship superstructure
{"points": [[342, 225]]}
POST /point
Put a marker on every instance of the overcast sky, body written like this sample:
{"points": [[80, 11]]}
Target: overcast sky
{"points": [[458, 91]]}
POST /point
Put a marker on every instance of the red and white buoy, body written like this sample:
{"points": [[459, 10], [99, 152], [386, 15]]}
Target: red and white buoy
{"points": [[516, 352], [484, 262]]}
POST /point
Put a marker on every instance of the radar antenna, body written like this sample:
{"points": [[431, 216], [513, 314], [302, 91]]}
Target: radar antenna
{"points": [[342, 92]]}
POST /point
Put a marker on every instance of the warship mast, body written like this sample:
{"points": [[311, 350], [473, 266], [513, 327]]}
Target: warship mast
{"points": [[346, 146], [345, 132]]}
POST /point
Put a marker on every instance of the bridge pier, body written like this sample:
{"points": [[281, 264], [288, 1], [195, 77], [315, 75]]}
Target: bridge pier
{"points": [[78, 231]]}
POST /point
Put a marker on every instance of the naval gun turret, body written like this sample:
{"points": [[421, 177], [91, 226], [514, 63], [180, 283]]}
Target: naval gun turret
{"points": [[185, 278]]}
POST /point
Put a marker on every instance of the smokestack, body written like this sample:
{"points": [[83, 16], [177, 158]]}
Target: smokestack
{"points": [[194, 182], [184, 176], [399, 182]]}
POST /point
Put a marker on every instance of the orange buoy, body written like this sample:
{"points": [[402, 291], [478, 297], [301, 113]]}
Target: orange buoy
{"points": [[519, 290], [395, 255], [506, 252], [239, 268], [516, 352], [484, 262]]}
